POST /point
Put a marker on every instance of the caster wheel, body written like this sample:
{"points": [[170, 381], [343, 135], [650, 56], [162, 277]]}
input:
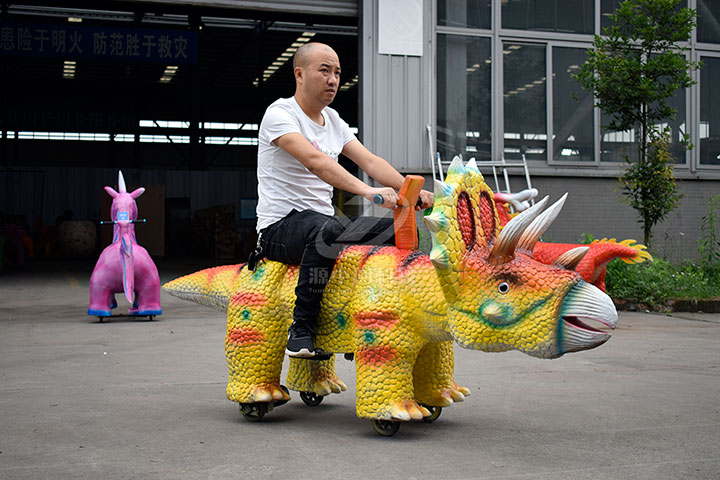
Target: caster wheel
{"points": [[386, 428], [101, 319], [311, 399], [282, 402], [434, 414], [253, 412], [151, 318]]}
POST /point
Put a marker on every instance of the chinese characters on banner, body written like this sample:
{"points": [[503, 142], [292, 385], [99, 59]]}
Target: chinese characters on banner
{"points": [[100, 43]]}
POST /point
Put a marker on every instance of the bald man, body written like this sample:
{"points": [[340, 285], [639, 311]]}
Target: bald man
{"points": [[300, 139]]}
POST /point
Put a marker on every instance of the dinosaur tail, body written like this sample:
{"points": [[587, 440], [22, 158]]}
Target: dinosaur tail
{"points": [[212, 287], [128, 266], [632, 252]]}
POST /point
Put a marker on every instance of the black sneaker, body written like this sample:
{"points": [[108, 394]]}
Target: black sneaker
{"points": [[300, 342]]}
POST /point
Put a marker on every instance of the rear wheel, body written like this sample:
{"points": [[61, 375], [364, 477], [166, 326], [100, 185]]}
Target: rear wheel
{"points": [[434, 413], [386, 428]]}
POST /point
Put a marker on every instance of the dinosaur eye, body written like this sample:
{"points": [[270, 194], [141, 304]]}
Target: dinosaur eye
{"points": [[503, 287]]}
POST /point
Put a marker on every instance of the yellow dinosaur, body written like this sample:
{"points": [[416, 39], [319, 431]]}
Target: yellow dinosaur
{"points": [[398, 311]]}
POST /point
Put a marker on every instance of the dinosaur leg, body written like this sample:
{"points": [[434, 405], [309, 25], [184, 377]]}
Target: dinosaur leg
{"points": [[254, 357], [433, 376], [100, 301], [147, 285], [316, 376], [385, 385]]}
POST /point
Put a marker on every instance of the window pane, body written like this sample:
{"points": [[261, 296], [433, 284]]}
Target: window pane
{"points": [[709, 128], [572, 108], [708, 22], [464, 13], [571, 16], [676, 126], [615, 146], [607, 7], [524, 101], [463, 97]]}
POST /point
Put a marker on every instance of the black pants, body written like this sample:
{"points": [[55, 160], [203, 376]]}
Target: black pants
{"points": [[313, 241]]}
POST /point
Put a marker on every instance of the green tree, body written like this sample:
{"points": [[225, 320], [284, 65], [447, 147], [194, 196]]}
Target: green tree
{"points": [[632, 70]]}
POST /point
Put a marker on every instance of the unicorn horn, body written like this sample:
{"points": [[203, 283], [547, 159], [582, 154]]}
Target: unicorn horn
{"points": [[121, 182]]}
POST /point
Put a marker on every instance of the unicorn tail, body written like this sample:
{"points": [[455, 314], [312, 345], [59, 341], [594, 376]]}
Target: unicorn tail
{"points": [[128, 267]]}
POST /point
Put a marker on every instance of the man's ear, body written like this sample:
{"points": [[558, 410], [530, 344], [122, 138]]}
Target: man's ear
{"points": [[298, 73]]}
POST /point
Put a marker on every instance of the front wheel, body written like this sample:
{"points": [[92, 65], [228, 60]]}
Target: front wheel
{"points": [[253, 412], [386, 428], [311, 399]]}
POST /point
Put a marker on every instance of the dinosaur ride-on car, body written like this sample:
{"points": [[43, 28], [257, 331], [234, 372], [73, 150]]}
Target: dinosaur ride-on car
{"points": [[397, 310], [124, 266]]}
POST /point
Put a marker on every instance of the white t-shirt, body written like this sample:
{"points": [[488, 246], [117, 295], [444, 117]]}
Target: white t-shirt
{"points": [[284, 183]]}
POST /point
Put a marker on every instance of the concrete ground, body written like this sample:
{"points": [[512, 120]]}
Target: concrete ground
{"points": [[133, 399]]}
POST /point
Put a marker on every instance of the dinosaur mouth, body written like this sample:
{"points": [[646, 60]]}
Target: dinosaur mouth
{"points": [[575, 322], [585, 303]]}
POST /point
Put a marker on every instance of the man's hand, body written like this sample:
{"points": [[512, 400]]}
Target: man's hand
{"points": [[427, 200], [389, 196]]}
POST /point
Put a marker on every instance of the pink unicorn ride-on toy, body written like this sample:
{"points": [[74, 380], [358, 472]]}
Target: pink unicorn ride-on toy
{"points": [[124, 266]]}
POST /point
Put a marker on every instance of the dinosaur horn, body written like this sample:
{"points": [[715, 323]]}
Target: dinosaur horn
{"points": [[539, 226], [504, 248], [121, 183], [570, 259], [442, 189], [456, 168], [472, 165]]}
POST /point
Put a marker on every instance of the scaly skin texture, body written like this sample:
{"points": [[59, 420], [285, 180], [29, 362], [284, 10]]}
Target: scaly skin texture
{"points": [[398, 310]]}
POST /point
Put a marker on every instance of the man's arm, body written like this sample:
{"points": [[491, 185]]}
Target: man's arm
{"points": [[330, 171], [380, 170]]}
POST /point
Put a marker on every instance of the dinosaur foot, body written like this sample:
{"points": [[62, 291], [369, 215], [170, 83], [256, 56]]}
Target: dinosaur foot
{"points": [[326, 386], [407, 410], [446, 396], [268, 393]]}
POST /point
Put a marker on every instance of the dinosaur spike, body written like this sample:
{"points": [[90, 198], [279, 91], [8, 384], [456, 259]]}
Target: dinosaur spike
{"points": [[439, 257], [442, 189], [456, 167], [121, 183], [570, 259], [435, 222], [504, 248], [540, 225], [472, 166]]}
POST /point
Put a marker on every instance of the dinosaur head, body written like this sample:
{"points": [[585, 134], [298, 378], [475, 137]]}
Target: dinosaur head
{"points": [[123, 205], [500, 298]]}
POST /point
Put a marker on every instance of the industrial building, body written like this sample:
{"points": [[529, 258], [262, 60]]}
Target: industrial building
{"points": [[172, 93]]}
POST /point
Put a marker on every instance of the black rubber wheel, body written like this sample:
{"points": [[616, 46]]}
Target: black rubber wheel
{"points": [[151, 318], [311, 399], [253, 412], [282, 402], [386, 428], [434, 414]]}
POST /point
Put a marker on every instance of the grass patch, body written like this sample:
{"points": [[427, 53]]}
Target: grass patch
{"points": [[657, 282]]}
